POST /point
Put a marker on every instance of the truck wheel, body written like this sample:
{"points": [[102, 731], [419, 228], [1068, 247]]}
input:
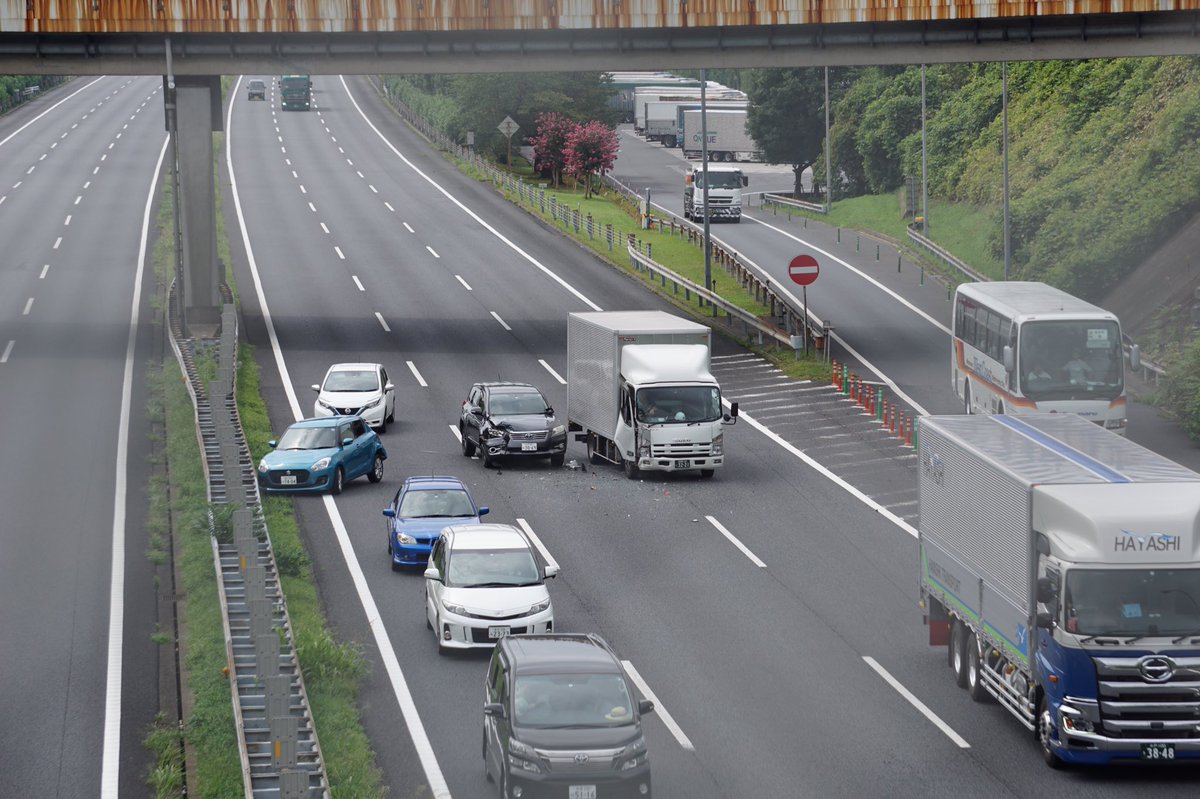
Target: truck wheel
{"points": [[631, 469], [974, 679], [1045, 728], [958, 653], [592, 457]]}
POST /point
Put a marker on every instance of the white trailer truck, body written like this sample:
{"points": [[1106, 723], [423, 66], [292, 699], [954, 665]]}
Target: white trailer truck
{"points": [[725, 184], [1060, 565], [728, 139], [640, 394]]}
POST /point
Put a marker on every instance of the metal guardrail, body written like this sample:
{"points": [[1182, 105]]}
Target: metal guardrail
{"points": [[944, 255], [804, 205], [277, 740]]}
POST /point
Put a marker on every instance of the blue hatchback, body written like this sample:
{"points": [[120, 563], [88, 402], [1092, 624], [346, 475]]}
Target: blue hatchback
{"points": [[420, 510], [322, 454]]}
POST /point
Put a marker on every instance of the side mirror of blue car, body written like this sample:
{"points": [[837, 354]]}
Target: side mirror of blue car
{"points": [[483, 511], [389, 512], [347, 441]]}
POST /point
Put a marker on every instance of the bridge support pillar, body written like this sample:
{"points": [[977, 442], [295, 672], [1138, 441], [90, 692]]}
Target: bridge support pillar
{"points": [[197, 116]]}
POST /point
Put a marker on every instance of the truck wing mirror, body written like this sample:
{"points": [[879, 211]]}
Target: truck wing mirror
{"points": [[733, 412], [745, 180], [1045, 621], [1047, 590], [1135, 357], [1009, 359]]}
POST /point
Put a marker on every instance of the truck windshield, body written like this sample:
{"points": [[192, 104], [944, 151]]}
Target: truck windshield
{"points": [[1070, 360], [656, 405], [1136, 602], [719, 180]]}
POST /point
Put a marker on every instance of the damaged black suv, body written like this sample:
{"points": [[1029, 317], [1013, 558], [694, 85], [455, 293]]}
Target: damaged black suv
{"points": [[510, 419]]}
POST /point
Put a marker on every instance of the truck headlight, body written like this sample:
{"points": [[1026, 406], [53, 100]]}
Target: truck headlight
{"points": [[1074, 724], [321, 464], [644, 451], [718, 444]]}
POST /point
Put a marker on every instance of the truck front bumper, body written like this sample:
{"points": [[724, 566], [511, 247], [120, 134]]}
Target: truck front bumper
{"points": [[1078, 740], [679, 464]]}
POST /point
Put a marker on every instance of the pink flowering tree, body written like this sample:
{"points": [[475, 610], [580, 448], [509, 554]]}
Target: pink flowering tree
{"points": [[550, 144], [591, 150]]}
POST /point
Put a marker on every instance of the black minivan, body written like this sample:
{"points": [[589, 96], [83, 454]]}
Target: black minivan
{"points": [[560, 719]]}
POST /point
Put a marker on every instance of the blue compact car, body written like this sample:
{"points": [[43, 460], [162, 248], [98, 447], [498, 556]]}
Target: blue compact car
{"points": [[322, 455], [420, 510]]}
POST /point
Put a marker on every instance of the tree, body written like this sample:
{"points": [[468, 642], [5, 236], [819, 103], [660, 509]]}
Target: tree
{"points": [[787, 115], [550, 144], [591, 149]]}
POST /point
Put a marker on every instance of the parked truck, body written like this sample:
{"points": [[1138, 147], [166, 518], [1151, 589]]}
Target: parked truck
{"points": [[728, 139], [737, 105], [1060, 566], [725, 184], [640, 394]]}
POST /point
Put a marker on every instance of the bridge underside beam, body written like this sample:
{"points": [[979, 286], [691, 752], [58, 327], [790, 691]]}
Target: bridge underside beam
{"points": [[944, 41]]}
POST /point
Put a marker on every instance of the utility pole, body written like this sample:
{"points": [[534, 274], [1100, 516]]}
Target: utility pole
{"points": [[924, 165], [1004, 149], [704, 177], [828, 160]]}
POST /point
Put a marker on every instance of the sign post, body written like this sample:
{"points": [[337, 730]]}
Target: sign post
{"points": [[508, 127], [803, 269]]}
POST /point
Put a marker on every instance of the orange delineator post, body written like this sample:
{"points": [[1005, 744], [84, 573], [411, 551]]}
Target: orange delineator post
{"points": [[836, 382]]}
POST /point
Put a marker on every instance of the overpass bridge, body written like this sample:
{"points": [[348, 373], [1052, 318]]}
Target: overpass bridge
{"points": [[191, 42]]}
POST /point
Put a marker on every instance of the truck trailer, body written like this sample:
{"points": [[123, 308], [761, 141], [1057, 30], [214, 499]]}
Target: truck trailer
{"points": [[736, 105], [1060, 567], [728, 139], [640, 394]]}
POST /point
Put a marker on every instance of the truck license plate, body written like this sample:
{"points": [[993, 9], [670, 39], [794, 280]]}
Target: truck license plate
{"points": [[287, 479], [498, 632], [581, 792], [528, 446], [1158, 751], [683, 464]]}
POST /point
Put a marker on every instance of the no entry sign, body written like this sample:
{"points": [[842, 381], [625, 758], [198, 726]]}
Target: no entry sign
{"points": [[803, 269]]}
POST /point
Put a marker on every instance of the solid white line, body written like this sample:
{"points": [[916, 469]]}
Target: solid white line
{"points": [[28, 306], [550, 369], [383, 643], [860, 496], [733, 539], [379, 316], [432, 251], [45, 269], [338, 250], [659, 710], [408, 227], [503, 324], [7, 351], [486, 226], [413, 368], [537, 542], [917, 703], [357, 282], [466, 285]]}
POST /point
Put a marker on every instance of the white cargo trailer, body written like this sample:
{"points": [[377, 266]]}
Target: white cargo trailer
{"points": [[728, 139], [640, 393]]}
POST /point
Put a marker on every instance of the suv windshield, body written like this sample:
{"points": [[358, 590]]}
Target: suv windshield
{"points": [[477, 568], [435, 503], [524, 404], [576, 700], [1137, 602], [308, 438], [345, 380], [679, 404]]}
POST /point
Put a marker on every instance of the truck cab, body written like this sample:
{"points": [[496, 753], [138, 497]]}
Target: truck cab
{"points": [[725, 184]]}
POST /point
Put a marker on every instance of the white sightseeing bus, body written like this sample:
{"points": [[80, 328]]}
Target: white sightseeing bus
{"points": [[1024, 347]]}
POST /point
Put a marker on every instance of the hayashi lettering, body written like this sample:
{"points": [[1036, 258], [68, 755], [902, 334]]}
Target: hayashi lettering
{"points": [[1147, 542]]}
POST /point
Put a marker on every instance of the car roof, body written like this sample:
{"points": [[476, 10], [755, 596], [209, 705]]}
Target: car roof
{"points": [[433, 481], [485, 536], [514, 388], [560, 653], [353, 367], [257, 80], [323, 421]]}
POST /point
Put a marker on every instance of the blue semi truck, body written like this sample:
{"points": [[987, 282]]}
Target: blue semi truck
{"points": [[1060, 568]]}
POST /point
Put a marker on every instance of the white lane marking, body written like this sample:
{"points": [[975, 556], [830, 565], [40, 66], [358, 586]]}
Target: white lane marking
{"points": [[67, 221], [53, 145], [432, 251], [45, 269], [86, 183], [457, 433], [413, 368], [302, 189], [339, 252], [360, 174], [111, 145], [503, 324], [486, 226], [383, 643], [466, 285], [537, 542], [358, 283], [3, 198], [79, 199], [110, 773], [295, 174], [28, 307], [30, 170], [104, 156], [57, 242], [407, 226], [17, 185], [7, 351], [733, 539], [96, 170], [287, 161], [659, 710], [550, 369], [324, 227], [340, 150], [388, 206], [379, 316], [372, 188], [860, 496], [43, 157], [312, 207], [917, 703]]}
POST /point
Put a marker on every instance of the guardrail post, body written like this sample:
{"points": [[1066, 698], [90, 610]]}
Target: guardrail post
{"points": [[876, 252], [839, 235], [857, 242], [922, 274], [898, 263]]}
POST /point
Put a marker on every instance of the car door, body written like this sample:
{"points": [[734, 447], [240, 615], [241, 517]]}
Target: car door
{"points": [[389, 395], [494, 728], [364, 451], [434, 588], [472, 414], [347, 454]]}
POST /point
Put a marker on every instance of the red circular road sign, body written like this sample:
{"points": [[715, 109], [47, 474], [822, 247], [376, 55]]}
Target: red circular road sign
{"points": [[803, 269]]}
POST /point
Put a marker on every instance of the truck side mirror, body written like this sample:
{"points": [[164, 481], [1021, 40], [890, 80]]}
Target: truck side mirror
{"points": [[1045, 621], [1135, 357], [1010, 362], [1047, 590], [745, 180], [733, 412]]}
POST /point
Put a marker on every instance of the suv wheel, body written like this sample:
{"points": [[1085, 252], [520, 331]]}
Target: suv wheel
{"points": [[339, 481], [558, 458], [468, 449], [376, 473]]}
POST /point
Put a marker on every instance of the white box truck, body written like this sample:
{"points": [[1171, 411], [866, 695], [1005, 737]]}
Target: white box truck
{"points": [[728, 139], [640, 394], [1060, 566], [725, 184]]}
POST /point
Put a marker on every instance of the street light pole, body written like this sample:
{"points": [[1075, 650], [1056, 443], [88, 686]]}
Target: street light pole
{"points": [[1004, 149], [704, 178], [828, 160], [924, 165]]}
